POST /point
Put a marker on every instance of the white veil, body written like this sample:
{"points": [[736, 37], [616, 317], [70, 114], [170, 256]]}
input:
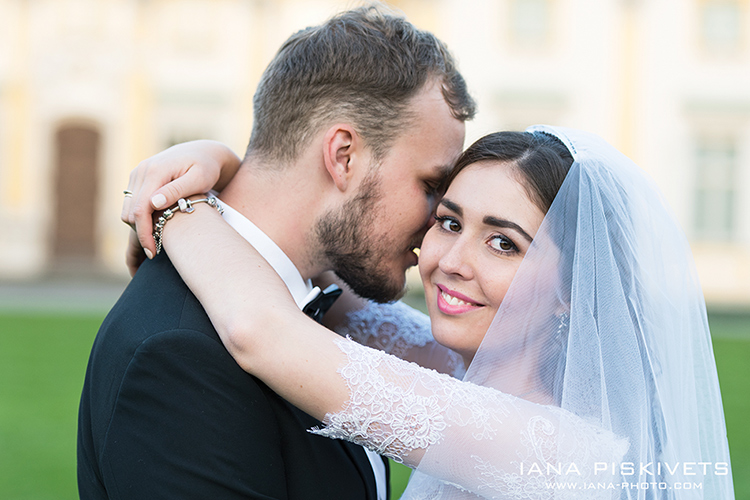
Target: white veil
{"points": [[607, 315]]}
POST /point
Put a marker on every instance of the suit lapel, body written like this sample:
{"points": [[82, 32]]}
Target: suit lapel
{"points": [[359, 458], [387, 478]]}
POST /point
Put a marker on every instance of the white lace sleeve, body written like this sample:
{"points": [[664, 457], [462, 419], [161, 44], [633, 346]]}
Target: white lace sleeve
{"points": [[507, 444], [400, 330]]}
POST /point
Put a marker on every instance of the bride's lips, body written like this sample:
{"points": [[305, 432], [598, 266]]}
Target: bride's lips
{"points": [[451, 302]]}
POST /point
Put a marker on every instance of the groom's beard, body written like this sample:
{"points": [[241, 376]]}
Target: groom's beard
{"points": [[356, 253]]}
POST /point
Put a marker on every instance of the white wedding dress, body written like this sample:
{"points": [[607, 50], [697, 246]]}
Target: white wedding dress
{"points": [[514, 449]]}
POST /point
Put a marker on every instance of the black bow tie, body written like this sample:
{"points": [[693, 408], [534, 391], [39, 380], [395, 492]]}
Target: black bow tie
{"points": [[322, 302]]}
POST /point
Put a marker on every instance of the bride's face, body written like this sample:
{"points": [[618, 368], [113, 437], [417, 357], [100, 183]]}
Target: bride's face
{"points": [[483, 229]]}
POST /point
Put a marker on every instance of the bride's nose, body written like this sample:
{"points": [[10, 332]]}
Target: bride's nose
{"points": [[457, 259]]}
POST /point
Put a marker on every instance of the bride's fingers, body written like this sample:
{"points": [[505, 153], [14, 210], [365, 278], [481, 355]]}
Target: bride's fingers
{"points": [[138, 178], [125, 208], [127, 201], [161, 193], [146, 178], [134, 255], [194, 181], [141, 213], [158, 182]]}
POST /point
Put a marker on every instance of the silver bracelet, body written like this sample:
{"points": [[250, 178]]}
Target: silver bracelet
{"points": [[185, 206]]}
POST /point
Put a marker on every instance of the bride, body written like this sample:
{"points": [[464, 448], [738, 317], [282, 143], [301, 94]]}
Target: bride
{"points": [[557, 273]]}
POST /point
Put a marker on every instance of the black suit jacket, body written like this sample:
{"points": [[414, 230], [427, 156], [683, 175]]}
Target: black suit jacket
{"points": [[167, 413]]}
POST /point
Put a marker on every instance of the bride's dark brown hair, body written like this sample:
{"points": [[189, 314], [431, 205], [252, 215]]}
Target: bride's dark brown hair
{"points": [[541, 160]]}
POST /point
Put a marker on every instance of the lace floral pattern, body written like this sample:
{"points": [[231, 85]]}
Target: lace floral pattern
{"points": [[389, 418], [400, 330], [401, 410]]}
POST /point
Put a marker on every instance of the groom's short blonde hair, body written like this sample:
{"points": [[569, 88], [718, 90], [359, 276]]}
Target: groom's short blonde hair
{"points": [[362, 67]]}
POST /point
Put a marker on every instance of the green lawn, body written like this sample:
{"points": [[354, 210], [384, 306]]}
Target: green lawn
{"points": [[42, 364], [733, 364], [43, 360]]}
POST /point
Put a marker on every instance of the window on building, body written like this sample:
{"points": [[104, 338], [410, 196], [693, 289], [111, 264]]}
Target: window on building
{"points": [[530, 22], [715, 206], [721, 25]]}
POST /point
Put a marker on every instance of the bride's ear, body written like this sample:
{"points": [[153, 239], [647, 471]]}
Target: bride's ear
{"points": [[341, 150]]}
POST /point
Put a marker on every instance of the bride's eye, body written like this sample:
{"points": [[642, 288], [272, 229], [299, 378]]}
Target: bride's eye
{"points": [[502, 244], [448, 224]]}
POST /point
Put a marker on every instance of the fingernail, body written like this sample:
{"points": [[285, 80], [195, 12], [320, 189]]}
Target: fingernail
{"points": [[148, 253], [158, 201]]}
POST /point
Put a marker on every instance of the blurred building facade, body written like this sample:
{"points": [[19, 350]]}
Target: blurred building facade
{"points": [[88, 88]]}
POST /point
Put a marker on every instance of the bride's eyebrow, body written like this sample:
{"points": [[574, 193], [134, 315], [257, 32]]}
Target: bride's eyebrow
{"points": [[452, 206], [494, 221]]}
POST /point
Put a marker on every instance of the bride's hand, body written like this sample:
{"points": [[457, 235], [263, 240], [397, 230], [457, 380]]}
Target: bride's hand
{"points": [[158, 182]]}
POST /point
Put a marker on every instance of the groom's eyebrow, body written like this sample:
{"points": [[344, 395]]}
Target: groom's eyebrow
{"points": [[440, 177], [494, 221], [444, 171]]}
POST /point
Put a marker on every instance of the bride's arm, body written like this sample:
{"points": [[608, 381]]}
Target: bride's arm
{"points": [[397, 408]]}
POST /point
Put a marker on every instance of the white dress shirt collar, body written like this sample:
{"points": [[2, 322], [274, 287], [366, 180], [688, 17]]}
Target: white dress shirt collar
{"points": [[269, 250]]}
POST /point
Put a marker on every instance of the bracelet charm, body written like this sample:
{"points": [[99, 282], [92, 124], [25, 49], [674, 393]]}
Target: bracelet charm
{"points": [[183, 205]]}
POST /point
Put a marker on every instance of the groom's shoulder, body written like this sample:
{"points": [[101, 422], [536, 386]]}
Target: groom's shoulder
{"points": [[155, 330], [155, 306], [157, 300]]}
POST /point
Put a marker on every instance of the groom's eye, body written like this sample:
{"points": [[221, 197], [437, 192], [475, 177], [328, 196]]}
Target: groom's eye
{"points": [[431, 187]]}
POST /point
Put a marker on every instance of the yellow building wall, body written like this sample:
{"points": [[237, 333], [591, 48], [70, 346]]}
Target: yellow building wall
{"points": [[151, 72]]}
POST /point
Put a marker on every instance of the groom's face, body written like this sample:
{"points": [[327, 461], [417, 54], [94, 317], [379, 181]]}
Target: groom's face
{"points": [[371, 240]]}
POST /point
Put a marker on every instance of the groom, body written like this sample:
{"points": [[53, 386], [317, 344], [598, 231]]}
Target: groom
{"points": [[356, 122]]}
